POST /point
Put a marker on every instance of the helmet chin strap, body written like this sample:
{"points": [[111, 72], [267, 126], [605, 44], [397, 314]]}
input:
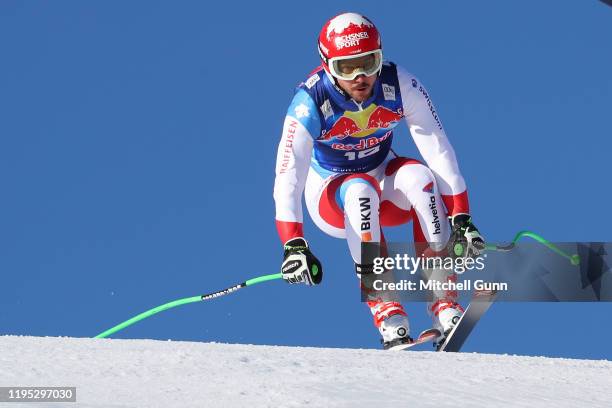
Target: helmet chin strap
{"points": [[334, 81], [331, 78]]}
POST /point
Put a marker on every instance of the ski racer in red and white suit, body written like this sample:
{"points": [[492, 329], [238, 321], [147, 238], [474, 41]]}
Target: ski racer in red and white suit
{"points": [[336, 151]]}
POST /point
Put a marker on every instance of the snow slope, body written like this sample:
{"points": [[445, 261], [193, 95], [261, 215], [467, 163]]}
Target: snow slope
{"points": [[147, 373]]}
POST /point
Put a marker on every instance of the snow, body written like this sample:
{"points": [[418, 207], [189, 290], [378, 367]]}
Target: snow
{"points": [[148, 373]]}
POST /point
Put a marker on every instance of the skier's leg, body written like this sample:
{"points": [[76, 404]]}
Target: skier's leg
{"points": [[359, 196], [443, 307], [409, 191], [347, 206]]}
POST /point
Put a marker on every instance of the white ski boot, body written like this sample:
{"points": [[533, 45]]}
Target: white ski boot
{"points": [[395, 330], [446, 315], [392, 322]]}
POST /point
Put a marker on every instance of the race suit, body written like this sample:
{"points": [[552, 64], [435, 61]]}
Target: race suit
{"points": [[337, 152]]}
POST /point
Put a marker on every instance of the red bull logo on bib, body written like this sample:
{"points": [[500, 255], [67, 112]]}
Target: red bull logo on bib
{"points": [[362, 123]]}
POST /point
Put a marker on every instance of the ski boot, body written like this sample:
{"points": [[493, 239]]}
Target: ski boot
{"points": [[392, 323], [394, 330], [446, 317]]}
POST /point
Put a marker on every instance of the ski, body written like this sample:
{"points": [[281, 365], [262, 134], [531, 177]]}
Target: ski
{"points": [[425, 336], [475, 310]]}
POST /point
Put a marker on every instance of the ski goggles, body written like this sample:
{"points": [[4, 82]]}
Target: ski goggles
{"points": [[349, 68]]}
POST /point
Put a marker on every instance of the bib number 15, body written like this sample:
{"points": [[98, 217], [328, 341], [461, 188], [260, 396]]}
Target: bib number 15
{"points": [[361, 154]]}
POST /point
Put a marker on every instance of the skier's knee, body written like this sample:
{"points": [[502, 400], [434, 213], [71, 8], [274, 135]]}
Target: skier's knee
{"points": [[416, 176], [362, 187], [411, 173]]}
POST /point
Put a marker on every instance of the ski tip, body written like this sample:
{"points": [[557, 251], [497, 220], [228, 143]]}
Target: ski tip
{"points": [[430, 333]]}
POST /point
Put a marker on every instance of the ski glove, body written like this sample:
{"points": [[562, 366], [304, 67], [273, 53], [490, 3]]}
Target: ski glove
{"points": [[300, 265], [465, 240]]}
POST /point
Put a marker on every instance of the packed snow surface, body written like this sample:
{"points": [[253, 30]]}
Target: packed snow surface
{"points": [[148, 373]]}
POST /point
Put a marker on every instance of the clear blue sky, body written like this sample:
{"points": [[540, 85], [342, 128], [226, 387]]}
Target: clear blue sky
{"points": [[137, 154]]}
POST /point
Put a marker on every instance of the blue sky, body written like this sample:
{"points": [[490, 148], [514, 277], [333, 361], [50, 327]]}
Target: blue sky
{"points": [[138, 145]]}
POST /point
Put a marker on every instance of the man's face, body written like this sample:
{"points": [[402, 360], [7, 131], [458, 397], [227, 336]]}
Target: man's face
{"points": [[359, 88], [363, 68]]}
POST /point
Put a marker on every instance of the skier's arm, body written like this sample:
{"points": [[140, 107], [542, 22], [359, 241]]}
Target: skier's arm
{"points": [[428, 134], [430, 138], [292, 163]]}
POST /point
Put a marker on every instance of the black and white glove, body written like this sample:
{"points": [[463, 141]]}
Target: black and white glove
{"points": [[300, 265], [465, 240]]}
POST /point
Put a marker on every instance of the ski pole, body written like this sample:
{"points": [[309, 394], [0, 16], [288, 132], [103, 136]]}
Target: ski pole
{"points": [[185, 301], [574, 259]]}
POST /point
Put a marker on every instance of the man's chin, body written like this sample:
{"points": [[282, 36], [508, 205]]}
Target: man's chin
{"points": [[361, 94]]}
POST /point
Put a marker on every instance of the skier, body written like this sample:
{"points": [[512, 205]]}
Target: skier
{"points": [[336, 149]]}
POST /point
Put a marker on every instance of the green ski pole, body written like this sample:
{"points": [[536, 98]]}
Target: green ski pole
{"points": [[574, 259], [185, 301]]}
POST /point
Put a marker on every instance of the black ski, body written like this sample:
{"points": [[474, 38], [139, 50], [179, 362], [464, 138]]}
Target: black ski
{"points": [[475, 310]]}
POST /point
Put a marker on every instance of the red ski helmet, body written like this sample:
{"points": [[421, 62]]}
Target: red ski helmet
{"points": [[349, 45]]}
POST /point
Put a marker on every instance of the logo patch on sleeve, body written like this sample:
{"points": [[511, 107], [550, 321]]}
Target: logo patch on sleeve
{"points": [[302, 111], [389, 92], [312, 80], [326, 109]]}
